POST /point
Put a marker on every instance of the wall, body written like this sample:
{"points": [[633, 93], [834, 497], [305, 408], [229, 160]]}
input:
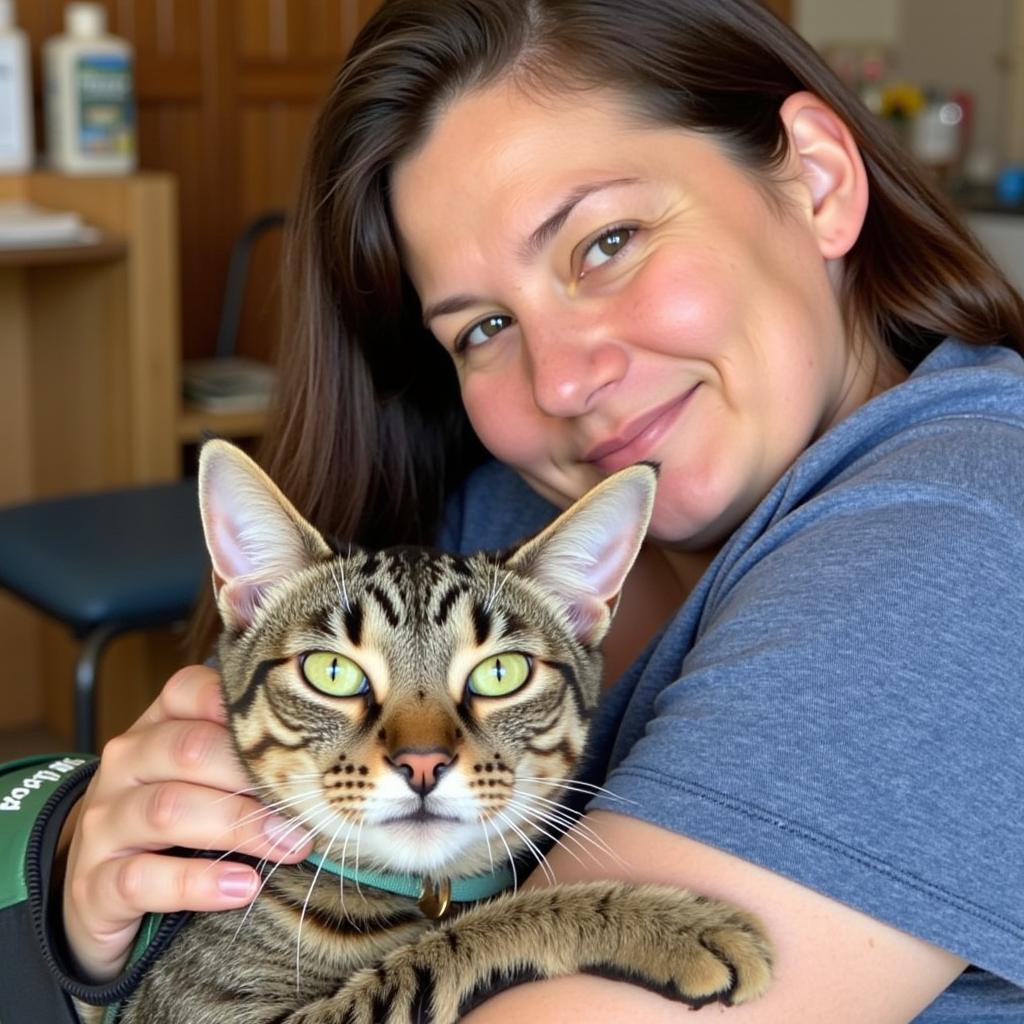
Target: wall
{"points": [[866, 21], [948, 44], [955, 45]]}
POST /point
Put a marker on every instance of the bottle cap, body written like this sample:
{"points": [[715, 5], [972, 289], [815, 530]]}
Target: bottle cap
{"points": [[85, 19], [1010, 186], [6, 14]]}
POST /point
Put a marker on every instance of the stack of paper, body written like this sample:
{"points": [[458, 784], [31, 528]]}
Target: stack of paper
{"points": [[24, 225], [230, 384]]}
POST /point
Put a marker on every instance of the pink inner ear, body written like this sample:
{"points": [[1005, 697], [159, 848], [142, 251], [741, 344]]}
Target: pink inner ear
{"points": [[238, 602], [587, 615], [229, 560], [610, 567]]}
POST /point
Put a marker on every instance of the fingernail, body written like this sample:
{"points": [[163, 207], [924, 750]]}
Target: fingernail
{"points": [[237, 883], [283, 833]]}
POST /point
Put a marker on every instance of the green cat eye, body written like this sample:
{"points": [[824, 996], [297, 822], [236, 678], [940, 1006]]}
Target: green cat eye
{"points": [[499, 675], [334, 674]]}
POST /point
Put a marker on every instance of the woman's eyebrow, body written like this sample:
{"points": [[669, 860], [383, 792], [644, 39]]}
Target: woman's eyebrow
{"points": [[453, 304], [527, 250], [550, 226]]}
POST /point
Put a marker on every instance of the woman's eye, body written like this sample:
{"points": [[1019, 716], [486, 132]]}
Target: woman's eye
{"points": [[482, 331], [334, 674], [500, 675], [605, 248]]}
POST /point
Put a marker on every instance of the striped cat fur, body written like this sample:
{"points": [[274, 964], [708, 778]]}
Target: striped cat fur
{"points": [[426, 714]]}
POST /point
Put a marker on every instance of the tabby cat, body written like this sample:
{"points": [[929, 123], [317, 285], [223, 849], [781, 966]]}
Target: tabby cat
{"points": [[423, 714]]}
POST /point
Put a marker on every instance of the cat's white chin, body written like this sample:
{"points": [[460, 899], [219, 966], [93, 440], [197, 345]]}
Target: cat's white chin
{"points": [[422, 846]]}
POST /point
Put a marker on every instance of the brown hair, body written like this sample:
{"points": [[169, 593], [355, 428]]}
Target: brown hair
{"points": [[369, 435]]}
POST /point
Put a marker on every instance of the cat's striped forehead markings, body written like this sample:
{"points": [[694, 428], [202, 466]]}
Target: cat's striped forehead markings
{"points": [[406, 586], [412, 588]]}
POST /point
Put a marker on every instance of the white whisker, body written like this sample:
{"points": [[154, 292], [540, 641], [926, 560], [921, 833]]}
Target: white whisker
{"points": [[304, 777], [517, 809], [262, 812], [538, 856], [287, 801], [266, 878], [576, 829], [580, 825], [359, 839], [496, 592], [341, 879], [342, 588], [305, 904], [511, 859], [577, 786], [487, 839]]}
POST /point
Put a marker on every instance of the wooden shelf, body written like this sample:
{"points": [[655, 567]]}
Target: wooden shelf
{"points": [[105, 249], [194, 422]]}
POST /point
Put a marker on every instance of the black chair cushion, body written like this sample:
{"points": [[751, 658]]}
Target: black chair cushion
{"points": [[134, 556]]}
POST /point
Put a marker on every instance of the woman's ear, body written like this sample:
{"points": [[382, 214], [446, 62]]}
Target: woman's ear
{"points": [[831, 169]]}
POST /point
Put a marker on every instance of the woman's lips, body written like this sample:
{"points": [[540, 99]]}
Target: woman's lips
{"points": [[639, 437]]}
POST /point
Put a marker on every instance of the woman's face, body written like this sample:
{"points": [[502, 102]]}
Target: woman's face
{"points": [[612, 292]]}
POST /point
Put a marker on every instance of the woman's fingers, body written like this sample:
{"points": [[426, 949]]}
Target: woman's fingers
{"points": [[177, 783], [192, 692], [119, 891], [173, 813], [191, 750], [171, 780]]}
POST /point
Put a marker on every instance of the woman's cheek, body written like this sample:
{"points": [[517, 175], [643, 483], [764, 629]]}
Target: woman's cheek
{"points": [[504, 417], [679, 308]]}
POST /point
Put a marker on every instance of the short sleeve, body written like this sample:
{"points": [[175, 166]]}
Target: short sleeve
{"points": [[849, 710]]}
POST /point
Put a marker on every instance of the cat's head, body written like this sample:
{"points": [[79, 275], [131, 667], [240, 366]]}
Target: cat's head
{"points": [[420, 711]]}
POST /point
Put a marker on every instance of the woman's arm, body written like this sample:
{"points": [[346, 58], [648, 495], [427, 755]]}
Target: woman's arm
{"points": [[833, 963]]}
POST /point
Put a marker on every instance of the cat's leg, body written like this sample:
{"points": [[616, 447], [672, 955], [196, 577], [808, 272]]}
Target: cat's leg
{"points": [[687, 948]]}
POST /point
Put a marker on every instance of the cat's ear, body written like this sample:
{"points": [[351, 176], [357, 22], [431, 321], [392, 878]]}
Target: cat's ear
{"points": [[254, 534], [584, 556]]}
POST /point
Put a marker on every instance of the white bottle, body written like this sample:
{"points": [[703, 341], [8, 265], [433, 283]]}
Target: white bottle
{"points": [[90, 102], [17, 145]]}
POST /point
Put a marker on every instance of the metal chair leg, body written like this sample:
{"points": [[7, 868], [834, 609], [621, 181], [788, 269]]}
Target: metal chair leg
{"points": [[86, 670]]}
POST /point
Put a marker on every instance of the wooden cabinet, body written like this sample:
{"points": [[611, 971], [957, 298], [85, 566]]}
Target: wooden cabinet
{"points": [[91, 340], [90, 349]]}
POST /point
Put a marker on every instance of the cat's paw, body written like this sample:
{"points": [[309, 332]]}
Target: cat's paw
{"points": [[398, 990], [705, 952]]}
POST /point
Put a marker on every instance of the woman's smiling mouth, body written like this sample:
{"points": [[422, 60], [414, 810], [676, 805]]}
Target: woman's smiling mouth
{"points": [[639, 437]]}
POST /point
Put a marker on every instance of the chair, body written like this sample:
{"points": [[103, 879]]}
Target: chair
{"points": [[117, 560], [103, 564]]}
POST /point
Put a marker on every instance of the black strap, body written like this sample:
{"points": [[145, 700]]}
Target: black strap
{"points": [[46, 915]]}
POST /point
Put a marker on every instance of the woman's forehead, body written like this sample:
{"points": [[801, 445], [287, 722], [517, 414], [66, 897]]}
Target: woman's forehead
{"points": [[498, 162]]}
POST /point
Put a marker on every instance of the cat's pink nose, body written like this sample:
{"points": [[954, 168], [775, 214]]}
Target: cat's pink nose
{"points": [[422, 768]]}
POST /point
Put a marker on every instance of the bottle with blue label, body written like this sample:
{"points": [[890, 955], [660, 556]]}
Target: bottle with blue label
{"points": [[90, 96], [17, 144]]}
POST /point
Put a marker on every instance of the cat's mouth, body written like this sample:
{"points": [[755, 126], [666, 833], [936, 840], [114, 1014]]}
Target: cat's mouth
{"points": [[422, 816]]}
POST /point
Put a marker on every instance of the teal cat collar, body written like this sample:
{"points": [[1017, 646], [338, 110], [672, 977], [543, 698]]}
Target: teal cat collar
{"points": [[433, 895]]}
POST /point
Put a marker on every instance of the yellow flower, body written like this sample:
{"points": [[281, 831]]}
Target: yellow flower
{"points": [[901, 100]]}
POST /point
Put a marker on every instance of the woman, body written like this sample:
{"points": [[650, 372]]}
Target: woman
{"points": [[662, 230]]}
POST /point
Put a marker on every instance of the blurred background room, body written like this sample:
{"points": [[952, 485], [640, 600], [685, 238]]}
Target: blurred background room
{"points": [[146, 170]]}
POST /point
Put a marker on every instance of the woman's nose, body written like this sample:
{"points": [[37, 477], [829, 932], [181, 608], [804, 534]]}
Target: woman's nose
{"points": [[569, 370]]}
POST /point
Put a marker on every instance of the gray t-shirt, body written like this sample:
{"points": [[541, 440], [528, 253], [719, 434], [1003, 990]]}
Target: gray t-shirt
{"points": [[841, 699]]}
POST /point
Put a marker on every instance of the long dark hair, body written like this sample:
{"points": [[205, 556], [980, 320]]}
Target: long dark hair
{"points": [[369, 435]]}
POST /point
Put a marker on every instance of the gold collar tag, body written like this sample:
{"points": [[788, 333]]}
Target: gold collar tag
{"points": [[435, 897]]}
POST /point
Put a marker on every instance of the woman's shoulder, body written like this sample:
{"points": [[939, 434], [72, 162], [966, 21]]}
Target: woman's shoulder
{"points": [[924, 480], [957, 423]]}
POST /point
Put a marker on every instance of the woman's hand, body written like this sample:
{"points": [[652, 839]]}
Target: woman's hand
{"points": [[171, 780]]}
